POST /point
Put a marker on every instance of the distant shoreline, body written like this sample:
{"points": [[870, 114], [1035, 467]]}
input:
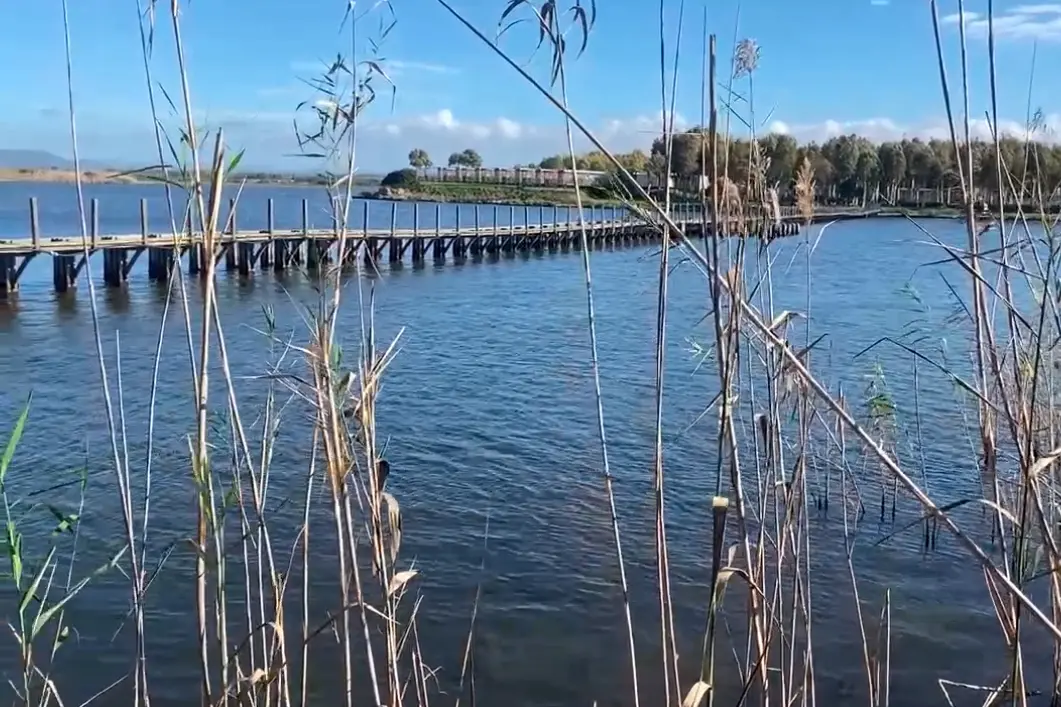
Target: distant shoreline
{"points": [[493, 194], [32, 175]]}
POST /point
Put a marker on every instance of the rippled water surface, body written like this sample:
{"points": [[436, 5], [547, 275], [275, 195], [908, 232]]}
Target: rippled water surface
{"points": [[489, 419]]}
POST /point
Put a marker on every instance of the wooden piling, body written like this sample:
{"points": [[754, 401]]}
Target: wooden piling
{"points": [[159, 262], [394, 243], [34, 223], [245, 258], [94, 221], [279, 254], [115, 266], [64, 272], [195, 261], [8, 275], [143, 221]]}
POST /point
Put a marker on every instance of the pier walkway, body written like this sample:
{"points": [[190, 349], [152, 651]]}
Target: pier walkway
{"points": [[524, 229]]}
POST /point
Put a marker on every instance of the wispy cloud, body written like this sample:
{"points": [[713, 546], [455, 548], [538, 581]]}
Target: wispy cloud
{"points": [[393, 67], [400, 66], [884, 129], [879, 3], [1040, 21]]}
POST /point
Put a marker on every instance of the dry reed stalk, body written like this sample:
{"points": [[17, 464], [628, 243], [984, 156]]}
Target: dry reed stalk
{"points": [[548, 23]]}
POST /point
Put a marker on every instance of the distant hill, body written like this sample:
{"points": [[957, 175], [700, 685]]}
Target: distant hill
{"points": [[32, 159]]}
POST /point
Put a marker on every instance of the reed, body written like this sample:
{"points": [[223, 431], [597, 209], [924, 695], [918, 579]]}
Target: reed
{"points": [[779, 428]]}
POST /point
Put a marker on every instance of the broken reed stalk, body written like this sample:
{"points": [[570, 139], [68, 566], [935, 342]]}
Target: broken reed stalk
{"points": [[719, 508]]}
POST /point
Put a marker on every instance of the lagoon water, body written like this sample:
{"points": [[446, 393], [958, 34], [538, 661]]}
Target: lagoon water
{"points": [[489, 420]]}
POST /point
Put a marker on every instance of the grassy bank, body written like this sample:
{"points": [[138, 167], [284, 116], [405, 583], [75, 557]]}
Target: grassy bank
{"points": [[473, 193]]}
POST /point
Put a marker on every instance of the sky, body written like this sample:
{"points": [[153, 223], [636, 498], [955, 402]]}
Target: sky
{"points": [[826, 67]]}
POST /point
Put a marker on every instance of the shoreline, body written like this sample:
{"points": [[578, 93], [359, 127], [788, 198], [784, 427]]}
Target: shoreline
{"points": [[109, 176]]}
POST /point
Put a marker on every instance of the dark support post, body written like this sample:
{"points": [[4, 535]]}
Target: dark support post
{"points": [[64, 268], [394, 244], [280, 255], [8, 275], [525, 243], [438, 221], [269, 215], [94, 221], [306, 243], [230, 256], [34, 223], [232, 216], [511, 245], [143, 220], [497, 234], [244, 257], [458, 240], [114, 266], [159, 261], [195, 262]]}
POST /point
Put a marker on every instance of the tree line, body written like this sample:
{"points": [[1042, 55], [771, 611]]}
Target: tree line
{"points": [[847, 167], [851, 166]]}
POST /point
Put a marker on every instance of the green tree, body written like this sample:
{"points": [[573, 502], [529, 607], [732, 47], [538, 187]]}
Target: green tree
{"points": [[634, 161], [419, 159], [401, 178], [472, 158], [685, 151], [892, 161], [467, 158], [780, 153]]}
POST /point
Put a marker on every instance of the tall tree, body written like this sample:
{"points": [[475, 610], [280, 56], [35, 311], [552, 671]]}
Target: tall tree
{"points": [[892, 161], [779, 152], [467, 158], [419, 158]]}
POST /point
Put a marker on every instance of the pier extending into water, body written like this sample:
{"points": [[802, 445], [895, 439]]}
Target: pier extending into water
{"points": [[526, 228]]}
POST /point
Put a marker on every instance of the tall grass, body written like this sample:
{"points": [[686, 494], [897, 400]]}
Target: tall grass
{"points": [[779, 428]]}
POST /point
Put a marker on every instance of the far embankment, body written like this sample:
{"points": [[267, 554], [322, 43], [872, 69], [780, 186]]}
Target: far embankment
{"points": [[485, 193], [61, 175]]}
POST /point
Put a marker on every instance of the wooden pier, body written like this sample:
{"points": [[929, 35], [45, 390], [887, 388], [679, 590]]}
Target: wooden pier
{"points": [[507, 230]]}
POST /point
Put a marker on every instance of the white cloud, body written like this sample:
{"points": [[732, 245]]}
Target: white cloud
{"points": [[444, 121], [393, 67], [779, 127], [884, 129], [396, 66], [879, 3], [1041, 21], [509, 128]]}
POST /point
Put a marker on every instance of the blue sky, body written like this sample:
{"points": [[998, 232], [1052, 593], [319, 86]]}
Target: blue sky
{"points": [[827, 66]]}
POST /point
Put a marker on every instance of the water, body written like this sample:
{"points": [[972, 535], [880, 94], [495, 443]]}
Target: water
{"points": [[488, 413]]}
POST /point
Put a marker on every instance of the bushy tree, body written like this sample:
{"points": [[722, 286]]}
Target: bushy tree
{"points": [[419, 158], [467, 158], [401, 179]]}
